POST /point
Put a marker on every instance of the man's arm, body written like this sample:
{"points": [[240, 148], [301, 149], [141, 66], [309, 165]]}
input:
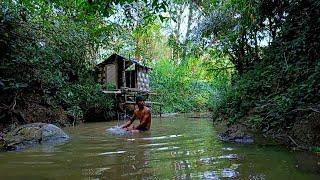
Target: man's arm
{"points": [[128, 123], [144, 120]]}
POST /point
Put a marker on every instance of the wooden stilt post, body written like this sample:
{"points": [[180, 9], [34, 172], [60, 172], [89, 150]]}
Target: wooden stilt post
{"points": [[124, 86]]}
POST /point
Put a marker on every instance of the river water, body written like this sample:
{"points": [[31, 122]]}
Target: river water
{"points": [[175, 148]]}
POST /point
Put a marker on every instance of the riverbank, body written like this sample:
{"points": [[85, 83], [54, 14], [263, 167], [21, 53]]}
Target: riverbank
{"points": [[31, 108], [303, 135], [26, 108], [33, 105]]}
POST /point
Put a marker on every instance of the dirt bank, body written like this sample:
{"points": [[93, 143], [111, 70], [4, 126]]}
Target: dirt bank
{"points": [[29, 108], [302, 133]]}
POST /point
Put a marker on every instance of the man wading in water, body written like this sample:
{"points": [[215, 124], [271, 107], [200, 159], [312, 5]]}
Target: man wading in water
{"points": [[143, 114]]}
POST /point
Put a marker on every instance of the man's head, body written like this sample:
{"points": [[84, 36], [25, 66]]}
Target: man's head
{"points": [[140, 101]]}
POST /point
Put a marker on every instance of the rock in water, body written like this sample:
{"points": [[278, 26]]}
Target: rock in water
{"points": [[32, 134], [116, 130], [244, 139]]}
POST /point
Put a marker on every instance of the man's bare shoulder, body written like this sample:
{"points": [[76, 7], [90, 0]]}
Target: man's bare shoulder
{"points": [[147, 110]]}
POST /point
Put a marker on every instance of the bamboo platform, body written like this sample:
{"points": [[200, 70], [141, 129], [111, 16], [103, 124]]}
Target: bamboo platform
{"points": [[125, 96]]}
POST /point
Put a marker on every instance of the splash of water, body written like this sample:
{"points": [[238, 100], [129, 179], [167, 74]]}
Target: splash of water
{"points": [[117, 130]]}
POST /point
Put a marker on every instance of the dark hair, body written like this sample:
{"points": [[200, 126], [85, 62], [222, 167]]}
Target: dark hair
{"points": [[140, 98]]}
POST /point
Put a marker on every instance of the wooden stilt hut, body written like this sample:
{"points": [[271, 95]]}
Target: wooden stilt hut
{"points": [[129, 77]]}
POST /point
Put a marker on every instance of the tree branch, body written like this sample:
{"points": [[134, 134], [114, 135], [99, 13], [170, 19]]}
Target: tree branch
{"points": [[223, 68], [308, 109]]}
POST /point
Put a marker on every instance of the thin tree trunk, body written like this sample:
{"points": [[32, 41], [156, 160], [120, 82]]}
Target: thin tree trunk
{"points": [[189, 19], [188, 29], [179, 14]]}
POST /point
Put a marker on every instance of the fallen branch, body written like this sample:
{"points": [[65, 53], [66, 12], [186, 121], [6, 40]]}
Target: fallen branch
{"points": [[307, 109], [4, 106], [14, 103], [294, 142], [299, 146]]}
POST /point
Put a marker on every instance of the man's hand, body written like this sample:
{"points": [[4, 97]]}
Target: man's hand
{"points": [[129, 128]]}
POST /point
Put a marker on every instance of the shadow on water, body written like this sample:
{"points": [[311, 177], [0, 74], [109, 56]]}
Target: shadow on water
{"points": [[176, 148]]}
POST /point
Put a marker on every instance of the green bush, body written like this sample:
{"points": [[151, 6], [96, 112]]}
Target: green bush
{"points": [[50, 54], [181, 87]]}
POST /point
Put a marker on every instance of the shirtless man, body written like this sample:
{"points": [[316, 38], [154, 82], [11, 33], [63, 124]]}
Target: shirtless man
{"points": [[143, 114]]}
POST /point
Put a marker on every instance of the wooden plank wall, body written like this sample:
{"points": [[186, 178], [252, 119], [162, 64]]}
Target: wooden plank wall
{"points": [[111, 74]]}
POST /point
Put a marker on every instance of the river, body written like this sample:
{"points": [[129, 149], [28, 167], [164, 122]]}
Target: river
{"points": [[175, 148]]}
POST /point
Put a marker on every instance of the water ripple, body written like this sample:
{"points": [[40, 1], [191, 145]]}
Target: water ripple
{"points": [[161, 137], [155, 144], [114, 152]]}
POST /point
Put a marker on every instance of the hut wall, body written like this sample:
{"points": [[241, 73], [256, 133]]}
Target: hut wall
{"points": [[112, 76], [109, 74]]}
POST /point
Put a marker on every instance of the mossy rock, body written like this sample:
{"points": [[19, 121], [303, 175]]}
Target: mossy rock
{"points": [[32, 134]]}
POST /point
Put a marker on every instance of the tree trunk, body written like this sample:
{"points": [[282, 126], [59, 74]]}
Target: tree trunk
{"points": [[188, 29]]}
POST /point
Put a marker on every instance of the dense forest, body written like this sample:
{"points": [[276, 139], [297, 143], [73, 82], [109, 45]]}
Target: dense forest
{"points": [[251, 62]]}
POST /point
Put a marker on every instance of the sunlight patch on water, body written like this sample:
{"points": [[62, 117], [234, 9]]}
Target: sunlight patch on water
{"points": [[94, 171], [229, 173], [161, 137], [225, 173], [155, 144], [109, 153], [33, 162], [227, 148], [165, 148], [209, 175], [209, 159], [228, 156], [40, 155]]}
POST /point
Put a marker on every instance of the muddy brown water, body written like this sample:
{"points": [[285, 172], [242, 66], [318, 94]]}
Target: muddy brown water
{"points": [[175, 148]]}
